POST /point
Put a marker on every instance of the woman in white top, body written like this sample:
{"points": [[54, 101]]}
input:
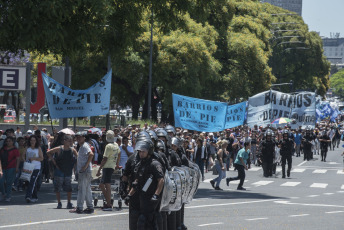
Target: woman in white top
{"points": [[34, 155]]}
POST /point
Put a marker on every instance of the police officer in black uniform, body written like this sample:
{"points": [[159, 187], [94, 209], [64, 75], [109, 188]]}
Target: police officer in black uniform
{"points": [[307, 145], [325, 141], [148, 183], [286, 148], [267, 150]]}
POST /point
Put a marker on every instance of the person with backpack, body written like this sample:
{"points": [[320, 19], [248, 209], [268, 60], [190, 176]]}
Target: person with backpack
{"points": [[9, 156], [63, 159]]}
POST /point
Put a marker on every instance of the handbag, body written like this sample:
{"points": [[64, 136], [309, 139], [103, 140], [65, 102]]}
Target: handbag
{"points": [[27, 171]]}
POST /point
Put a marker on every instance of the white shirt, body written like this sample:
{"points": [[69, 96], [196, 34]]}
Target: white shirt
{"points": [[33, 153]]}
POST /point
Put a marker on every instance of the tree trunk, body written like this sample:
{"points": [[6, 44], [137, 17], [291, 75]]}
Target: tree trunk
{"points": [[153, 109], [144, 109], [136, 108]]}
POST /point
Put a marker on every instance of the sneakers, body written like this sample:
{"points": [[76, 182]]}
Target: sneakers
{"points": [[20, 189], [8, 199], [70, 205], [14, 188], [88, 211], [107, 208], [76, 210], [33, 200], [28, 200], [288, 174], [59, 205], [212, 183], [218, 188], [241, 188]]}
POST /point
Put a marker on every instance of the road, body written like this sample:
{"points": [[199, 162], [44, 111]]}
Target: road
{"points": [[312, 198]]}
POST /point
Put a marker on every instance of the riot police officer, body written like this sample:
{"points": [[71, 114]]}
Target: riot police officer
{"points": [[286, 148], [267, 149], [148, 183], [307, 145]]}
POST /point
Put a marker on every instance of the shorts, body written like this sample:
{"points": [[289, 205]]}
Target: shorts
{"points": [[64, 183], [106, 177]]}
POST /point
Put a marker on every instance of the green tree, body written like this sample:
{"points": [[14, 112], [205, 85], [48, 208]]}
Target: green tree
{"points": [[337, 83]]}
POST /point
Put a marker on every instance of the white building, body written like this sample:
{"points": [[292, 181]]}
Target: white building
{"points": [[291, 5]]}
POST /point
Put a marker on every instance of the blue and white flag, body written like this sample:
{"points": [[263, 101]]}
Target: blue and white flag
{"points": [[64, 102], [197, 114], [235, 115]]}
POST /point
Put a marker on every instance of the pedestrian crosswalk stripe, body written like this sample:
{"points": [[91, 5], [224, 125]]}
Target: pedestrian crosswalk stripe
{"points": [[236, 182], [312, 195], [320, 171], [254, 169], [318, 185], [340, 172], [298, 170], [278, 170], [262, 182], [291, 184], [342, 187]]}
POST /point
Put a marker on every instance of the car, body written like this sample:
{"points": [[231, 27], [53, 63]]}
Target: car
{"points": [[9, 119]]}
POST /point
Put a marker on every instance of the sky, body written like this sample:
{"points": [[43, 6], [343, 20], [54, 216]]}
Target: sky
{"points": [[324, 16]]}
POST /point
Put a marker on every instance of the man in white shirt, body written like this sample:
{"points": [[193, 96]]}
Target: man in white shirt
{"points": [[126, 152]]}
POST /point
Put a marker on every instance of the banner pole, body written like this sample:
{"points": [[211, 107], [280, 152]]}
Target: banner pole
{"points": [[28, 96]]}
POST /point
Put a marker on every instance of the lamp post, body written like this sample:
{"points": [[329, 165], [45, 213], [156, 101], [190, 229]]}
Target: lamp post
{"points": [[150, 71]]}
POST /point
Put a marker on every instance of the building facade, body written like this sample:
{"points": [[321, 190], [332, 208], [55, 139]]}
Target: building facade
{"points": [[291, 5], [334, 50]]}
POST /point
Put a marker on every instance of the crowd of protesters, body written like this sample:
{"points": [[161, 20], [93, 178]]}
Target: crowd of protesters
{"points": [[57, 155]]}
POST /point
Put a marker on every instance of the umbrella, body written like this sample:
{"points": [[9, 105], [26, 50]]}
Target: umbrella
{"points": [[95, 131], [67, 131], [281, 120]]}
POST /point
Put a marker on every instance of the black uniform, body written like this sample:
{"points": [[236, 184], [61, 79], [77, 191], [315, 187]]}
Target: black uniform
{"points": [[324, 142], [267, 150], [307, 146], [148, 170], [286, 151]]}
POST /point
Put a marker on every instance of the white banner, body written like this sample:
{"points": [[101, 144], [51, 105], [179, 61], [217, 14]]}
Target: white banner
{"points": [[12, 77], [267, 106]]}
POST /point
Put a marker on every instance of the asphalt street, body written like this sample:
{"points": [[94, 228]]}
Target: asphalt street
{"points": [[312, 198]]}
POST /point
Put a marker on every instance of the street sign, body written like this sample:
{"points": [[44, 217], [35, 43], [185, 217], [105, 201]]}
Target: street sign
{"points": [[12, 77]]}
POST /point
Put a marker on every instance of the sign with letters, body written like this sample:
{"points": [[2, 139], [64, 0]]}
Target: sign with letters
{"points": [[206, 116], [267, 106], [64, 102], [12, 78]]}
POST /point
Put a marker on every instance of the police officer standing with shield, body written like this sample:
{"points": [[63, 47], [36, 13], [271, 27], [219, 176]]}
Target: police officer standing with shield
{"points": [[286, 148], [148, 183]]}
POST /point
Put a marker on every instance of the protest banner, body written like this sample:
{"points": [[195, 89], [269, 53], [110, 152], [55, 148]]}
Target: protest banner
{"points": [[235, 115], [64, 102], [264, 107], [197, 114]]}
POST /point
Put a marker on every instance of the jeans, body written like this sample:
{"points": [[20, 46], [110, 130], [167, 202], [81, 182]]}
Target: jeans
{"points": [[241, 175], [298, 149], [200, 164], [222, 174], [8, 177], [84, 190], [31, 191], [17, 182]]}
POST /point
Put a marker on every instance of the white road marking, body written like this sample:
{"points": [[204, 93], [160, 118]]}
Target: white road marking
{"points": [[47, 204], [313, 196], [299, 215], [320, 171], [62, 220], [342, 187], [290, 184], [227, 204], [333, 163], [202, 225], [318, 185], [236, 182], [334, 212], [302, 204], [340, 172], [207, 180], [328, 193], [294, 198], [254, 169], [2, 208], [262, 182], [298, 170], [262, 218], [279, 170], [301, 163]]}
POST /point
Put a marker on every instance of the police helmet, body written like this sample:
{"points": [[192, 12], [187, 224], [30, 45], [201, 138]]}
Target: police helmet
{"points": [[170, 129], [176, 141], [160, 145], [144, 145], [163, 133], [285, 133], [143, 135], [153, 135], [268, 133]]}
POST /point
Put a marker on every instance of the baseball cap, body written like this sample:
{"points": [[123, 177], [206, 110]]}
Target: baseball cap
{"points": [[110, 136]]}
